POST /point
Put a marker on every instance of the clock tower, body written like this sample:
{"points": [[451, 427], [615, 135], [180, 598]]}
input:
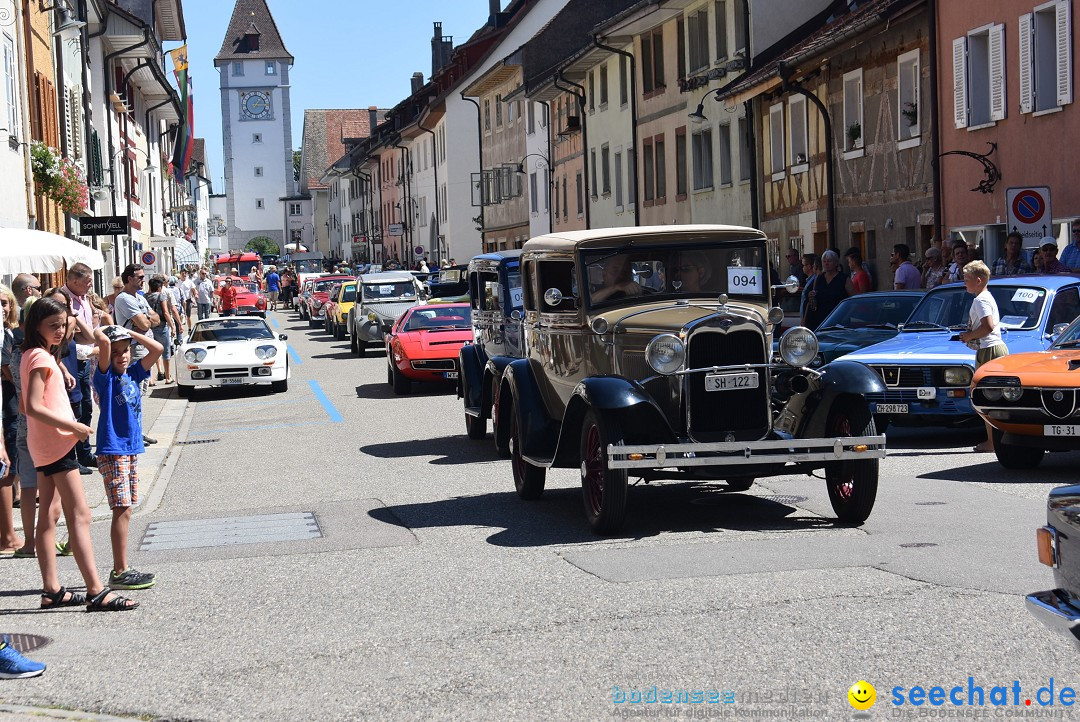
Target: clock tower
{"points": [[256, 127]]}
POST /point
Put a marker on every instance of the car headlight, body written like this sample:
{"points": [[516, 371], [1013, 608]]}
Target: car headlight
{"points": [[991, 394], [195, 355], [798, 347], [1013, 393], [373, 317], [665, 354], [265, 353], [958, 376]]}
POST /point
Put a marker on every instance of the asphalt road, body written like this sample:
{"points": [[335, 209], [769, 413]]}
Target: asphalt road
{"points": [[429, 590]]}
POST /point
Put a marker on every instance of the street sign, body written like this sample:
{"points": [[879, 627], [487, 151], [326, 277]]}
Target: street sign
{"points": [[395, 229], [418, 251], [149, 258], [1028, 212], [163, 242], [103, 225]]}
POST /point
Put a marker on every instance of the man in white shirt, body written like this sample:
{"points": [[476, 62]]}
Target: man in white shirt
{"points": [[187, 294], [204, 294]]}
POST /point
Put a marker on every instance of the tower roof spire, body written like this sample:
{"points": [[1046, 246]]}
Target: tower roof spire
{"points": [[252, 34]]}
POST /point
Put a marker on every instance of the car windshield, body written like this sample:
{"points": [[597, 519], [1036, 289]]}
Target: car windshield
{"points": [[350, 294], [389, 289], [451, 317], [871, 310], [249, 287], [231, 330], [309, 266], [614, 275], [1070, 337], [325, 286], [1019, 306]]}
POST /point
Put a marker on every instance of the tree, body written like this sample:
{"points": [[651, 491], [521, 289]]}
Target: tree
{"points": [[296, 165], [263, 246]]}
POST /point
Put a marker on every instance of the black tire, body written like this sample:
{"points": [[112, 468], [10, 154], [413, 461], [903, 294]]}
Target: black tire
{"points": [[739, 483], [852, 484], [184, 392], [475, 426], [528, 479], [402, 385], [339, 332], [361, 348], [311, 322], [881, 421], [1012, 456], [352, 343], [604, 491]]}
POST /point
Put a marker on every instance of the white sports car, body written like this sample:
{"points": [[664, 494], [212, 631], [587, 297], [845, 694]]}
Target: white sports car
{"points": [[231, 351]]}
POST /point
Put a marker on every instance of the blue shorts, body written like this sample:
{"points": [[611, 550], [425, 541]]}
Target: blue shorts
{"points": [[163, 335], [24, 464]]}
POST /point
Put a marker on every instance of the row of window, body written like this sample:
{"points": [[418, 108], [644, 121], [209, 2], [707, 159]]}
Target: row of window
{"points": [[1044, 62], [269, 68]]}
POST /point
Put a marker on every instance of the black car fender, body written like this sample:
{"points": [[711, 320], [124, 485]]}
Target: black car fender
{"points": [[639, 416], [519, 388], [471, 365], [840, 379], [493, 373]]}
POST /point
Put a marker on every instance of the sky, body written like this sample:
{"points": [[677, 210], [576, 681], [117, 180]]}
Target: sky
{"points": [[349, 54]]}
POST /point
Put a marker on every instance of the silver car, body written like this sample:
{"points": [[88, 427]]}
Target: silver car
{"points": [[380, 299]]}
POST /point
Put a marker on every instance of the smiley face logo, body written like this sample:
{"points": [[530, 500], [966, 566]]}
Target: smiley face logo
{"points": [[862, 695]]}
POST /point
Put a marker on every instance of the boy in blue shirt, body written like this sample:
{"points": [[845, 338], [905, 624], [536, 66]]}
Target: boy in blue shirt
{"points": [[120, 437]]}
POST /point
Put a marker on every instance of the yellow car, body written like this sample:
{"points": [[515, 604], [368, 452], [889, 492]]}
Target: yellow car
{"points": [[336, 310]]}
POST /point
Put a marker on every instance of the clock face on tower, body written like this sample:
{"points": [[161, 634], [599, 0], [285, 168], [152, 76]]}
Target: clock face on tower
{"points": [[255, 105]]}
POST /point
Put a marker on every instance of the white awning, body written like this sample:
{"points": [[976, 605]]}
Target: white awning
{"points": [[23, 250], [185, 253]]}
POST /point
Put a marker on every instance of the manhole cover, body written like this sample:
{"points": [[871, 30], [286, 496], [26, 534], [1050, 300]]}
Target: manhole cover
{"points": [[781, 499], [229, 531], [918, 545], [25, 643], [196, 441], [929, 503]]}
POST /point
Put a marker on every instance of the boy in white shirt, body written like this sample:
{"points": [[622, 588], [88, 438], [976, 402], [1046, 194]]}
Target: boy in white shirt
{"points": [[984, 323]]}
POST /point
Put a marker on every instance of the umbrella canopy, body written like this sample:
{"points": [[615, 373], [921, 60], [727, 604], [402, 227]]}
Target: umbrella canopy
{"points": [[23, 250], [299, 248], [185, 253]]}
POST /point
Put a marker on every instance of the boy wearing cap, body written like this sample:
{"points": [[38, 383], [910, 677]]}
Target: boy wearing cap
{"points": [[120, 437]]}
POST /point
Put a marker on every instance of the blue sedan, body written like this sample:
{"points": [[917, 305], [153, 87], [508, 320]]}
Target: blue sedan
{"points": [[927, 371]]}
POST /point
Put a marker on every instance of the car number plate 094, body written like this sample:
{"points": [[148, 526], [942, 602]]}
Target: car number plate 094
{"points": [[730, 382], [890, 408], [230, 382], [1061, 430]]}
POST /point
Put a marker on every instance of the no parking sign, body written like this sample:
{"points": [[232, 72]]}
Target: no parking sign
{"points": [[1028, 211], [149, 258]]}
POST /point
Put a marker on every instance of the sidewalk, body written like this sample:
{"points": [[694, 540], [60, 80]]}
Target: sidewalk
{"points": [[163, 411]]}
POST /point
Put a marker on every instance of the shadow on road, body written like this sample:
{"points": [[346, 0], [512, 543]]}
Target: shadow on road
{"points": [[1055, 469], [383, 390], [559, 517], [447, 449], [338, 355], [231, 393]]}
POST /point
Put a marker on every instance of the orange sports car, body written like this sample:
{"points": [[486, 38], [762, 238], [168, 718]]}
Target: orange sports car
{"points": [[424, 342], [1032, 401]]}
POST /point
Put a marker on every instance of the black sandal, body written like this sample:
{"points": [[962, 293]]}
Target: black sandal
{"points": [[97, 603], [56, 599]]}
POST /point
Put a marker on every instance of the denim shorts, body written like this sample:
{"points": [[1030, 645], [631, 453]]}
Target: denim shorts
{"points": [[67, 462], [24, 464]]}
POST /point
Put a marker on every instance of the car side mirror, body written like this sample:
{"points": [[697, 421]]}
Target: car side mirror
{"points": [[1057, 330], [553, 297], [283, 337], [790, 284], [515, 315]]}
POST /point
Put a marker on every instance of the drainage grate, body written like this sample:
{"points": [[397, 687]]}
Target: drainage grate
{"points": [[196, 441], [229, 531], [929, 503], [917, 545], [25, 643]]}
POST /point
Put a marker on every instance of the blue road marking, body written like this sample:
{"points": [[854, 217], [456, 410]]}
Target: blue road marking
{"points": [[321, 396], [293, 355], [274, 323]]}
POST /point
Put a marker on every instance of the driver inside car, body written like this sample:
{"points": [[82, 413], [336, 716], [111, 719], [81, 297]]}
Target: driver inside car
{"points": [[618, 281], [691, 272]]}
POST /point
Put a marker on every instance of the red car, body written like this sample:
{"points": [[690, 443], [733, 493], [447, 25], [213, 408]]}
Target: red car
{"points": [[424, 342], [250, 301], [320, 292]]}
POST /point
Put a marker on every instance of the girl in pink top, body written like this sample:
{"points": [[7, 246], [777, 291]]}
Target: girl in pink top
{"points": [[51, 435]]}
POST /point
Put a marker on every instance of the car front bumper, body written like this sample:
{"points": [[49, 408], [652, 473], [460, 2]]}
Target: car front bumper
{"points": [[232, 375], [1058, 610], [941, 405], [745, 453]]}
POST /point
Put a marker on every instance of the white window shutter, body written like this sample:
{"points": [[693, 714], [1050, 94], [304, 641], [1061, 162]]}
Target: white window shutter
{"points": [[1064, 53], [997, 72], [960, 95], [1027, 96]]}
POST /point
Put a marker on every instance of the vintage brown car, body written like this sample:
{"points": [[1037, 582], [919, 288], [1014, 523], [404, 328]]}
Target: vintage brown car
{"points": [[647, 353]]}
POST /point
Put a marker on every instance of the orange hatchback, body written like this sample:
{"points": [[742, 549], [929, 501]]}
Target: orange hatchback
{"points": [[1032, 400]]}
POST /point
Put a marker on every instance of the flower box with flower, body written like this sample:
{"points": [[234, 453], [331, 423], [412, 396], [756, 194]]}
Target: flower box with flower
{"points": [[58, 179]]}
